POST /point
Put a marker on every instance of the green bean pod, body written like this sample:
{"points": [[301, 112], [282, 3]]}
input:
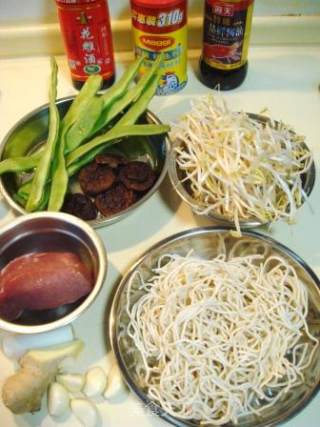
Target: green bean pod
{"points": [[82, 127], [89, 121], [111, 137], [119, 88], [42, 172], [20, 164], [81, 101], [77, 116], [132, 95]]}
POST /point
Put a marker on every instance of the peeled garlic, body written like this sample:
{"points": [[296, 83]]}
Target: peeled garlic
{"points": [[58, 400], [85, 411], [95, 382], [116, 390], [72, 382]]}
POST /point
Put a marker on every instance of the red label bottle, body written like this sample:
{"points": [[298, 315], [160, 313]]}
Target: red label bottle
{"points": [[86, 31]]}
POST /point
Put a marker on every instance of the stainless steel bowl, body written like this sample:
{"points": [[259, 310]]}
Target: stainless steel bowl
{"points": [[32, 129], [181, 188], [204, 243], [48, 231]]}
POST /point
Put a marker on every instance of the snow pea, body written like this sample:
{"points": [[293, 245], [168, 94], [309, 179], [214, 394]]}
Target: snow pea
{"points": [[133, 94], [23, 138], [122, 125], [42, 171], [111, 137], [59, 182], [113, 95], [85, 123], [20, 164], [22, 198], [91, 120], [139, 107], [81, 101], [76, 116], [119, 88]]}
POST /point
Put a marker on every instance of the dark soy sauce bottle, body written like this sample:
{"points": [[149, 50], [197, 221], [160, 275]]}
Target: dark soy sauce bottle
{"points": [[226, 32]]}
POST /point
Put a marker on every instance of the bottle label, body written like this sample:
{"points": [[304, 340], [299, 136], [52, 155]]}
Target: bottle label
{"points": [[226, 32], [162, 29], [85, 27]]}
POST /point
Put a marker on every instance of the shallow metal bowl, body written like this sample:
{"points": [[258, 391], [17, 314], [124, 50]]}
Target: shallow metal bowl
{"points": [[49, 231], [205, 243], [32, 130], [176, 178]]}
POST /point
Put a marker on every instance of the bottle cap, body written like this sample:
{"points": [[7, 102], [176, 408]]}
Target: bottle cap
{"points": [[155, 4]]}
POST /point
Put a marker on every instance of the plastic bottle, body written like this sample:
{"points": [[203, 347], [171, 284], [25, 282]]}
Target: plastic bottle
{"points": [[86, 31], [226, 33], [161, 26]]}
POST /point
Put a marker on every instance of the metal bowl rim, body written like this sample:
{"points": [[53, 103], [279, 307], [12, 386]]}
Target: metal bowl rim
{"points": [[99, 222], [198, 231], [103, 265]]}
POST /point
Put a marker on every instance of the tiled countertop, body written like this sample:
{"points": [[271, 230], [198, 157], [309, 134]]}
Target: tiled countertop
{"points": [[284, 79]]}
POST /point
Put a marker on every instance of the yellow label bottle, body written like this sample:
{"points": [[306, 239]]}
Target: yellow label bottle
{"points": [[161, 26]]}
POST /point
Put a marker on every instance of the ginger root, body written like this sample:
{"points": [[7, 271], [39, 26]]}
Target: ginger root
{"points": [[23, 391]]}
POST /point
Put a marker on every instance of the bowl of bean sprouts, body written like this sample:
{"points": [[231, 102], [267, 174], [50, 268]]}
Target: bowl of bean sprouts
{"points": [[213, 329], [239, 168]]}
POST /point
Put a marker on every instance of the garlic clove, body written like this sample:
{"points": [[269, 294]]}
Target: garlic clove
{"points": [[85, 411], [95, 382], [58, 400], [116, 389], [72, 382]]}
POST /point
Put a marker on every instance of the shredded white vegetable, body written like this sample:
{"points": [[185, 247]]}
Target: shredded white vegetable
{"points": [[238, 167], [220, 338]]}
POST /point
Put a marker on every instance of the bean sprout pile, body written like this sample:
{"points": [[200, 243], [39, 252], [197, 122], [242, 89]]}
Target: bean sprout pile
{"points": [[219, 338], [237, 167]]}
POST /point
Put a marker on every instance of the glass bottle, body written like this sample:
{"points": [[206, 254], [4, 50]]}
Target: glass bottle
{"points": [[226, 33], [86, 32]]}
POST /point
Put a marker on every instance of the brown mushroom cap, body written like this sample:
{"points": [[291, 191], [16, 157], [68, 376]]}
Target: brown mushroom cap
{"points": [[137, 176], [80, 205], [114, 200], [96, 178]]}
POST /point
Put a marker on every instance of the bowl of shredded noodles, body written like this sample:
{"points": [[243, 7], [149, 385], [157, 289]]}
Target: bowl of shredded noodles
{"points": [[239, 168], [213, 329]]}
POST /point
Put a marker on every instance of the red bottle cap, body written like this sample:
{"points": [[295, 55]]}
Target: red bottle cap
{"points": [[156, 4]]}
